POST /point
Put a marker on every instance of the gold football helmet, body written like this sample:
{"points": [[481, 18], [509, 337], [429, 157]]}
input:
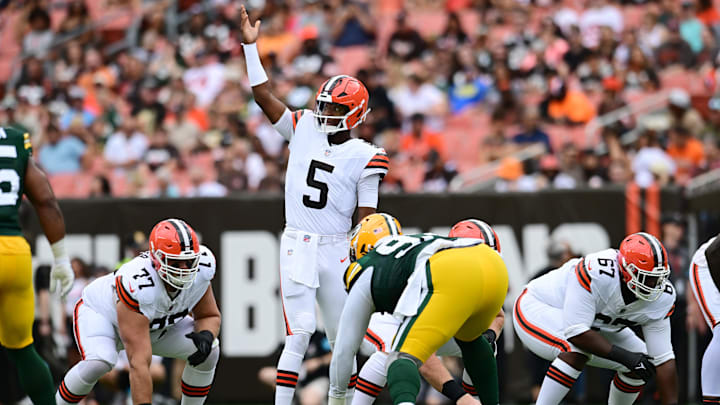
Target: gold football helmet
{"points": [[369, 231]]}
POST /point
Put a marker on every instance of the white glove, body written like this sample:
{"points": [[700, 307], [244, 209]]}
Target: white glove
{"points": [[61, 275]]}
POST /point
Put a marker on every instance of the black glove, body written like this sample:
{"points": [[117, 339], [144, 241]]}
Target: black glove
{"points": [[638, 363], [491, 336], [203, 341]]}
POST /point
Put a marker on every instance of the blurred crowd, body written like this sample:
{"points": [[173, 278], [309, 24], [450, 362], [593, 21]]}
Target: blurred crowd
{"points": [[149, 98]]}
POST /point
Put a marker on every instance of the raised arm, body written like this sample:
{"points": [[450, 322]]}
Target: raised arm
{"points": [[271, 105]]}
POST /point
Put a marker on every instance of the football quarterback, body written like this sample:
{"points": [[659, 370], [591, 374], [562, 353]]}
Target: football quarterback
{"points": [[329, 176]]}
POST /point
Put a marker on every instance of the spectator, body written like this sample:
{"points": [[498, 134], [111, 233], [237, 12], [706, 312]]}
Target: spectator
{"points": [[273, 180], [438, 174], [687, 152], [205, 78], [531, 131], [691, 29], [149, 113], [100, 187], [453, 35], [420, 141], [61, 154], [166, 187], [650, 158], [204, 185], [251, 163], [38, 37], [160, 152], [311, 60], [681, 112], [652, 33], [76, 20], [353, 25], [405, 43], [127, 146], [571, 174], [417, 96], [600, 13], [567, 105], [77, 115], [675, 51], [640, 74]]}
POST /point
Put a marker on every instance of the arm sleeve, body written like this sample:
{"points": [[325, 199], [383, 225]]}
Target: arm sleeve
{"points": [[657, 339], [285, 125], [579, 307], [367, 190], [354, 321]]}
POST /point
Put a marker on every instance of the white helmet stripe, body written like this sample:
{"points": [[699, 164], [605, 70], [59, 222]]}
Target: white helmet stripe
{"points": [[391, 224], [487, 232], [657, 250], [331, 83], [183, 232]]}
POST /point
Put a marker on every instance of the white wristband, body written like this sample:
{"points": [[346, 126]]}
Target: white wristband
{"points": [[255, 71], [59, 252]]}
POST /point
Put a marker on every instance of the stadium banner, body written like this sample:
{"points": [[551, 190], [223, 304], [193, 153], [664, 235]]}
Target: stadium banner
{"points": [[243, 232]]}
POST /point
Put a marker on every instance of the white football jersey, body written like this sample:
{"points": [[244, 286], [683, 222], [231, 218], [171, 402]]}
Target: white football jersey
{"points": [[600, 303], [137, 284], [321, 180]]}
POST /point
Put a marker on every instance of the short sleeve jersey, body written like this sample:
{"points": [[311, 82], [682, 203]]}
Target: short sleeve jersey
{"points": [[15, 151], [321, 180], [137, 285], [590, 289]]}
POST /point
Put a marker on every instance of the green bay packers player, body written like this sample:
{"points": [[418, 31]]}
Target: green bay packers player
{"points": [[19, 175], [441, 288]]}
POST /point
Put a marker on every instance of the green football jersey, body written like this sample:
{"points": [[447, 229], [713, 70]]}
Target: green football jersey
{"points": [[393, 262], [15, 150]]}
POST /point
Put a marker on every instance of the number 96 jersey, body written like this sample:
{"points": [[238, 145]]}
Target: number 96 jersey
{"points": [[321, 185], [137, 285]]}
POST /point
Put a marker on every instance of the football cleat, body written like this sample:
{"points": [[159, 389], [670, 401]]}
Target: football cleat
{"points": [[369, 231], [476, 229], [175, 252], [644, 265], [346, 98]]}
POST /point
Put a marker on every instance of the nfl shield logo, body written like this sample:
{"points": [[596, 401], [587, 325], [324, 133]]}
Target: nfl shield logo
{"points": [[306, 238], [327, 152]]}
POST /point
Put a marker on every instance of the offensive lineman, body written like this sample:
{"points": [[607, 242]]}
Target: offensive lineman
{"points": [[441, 288], [381, 331], [145, 306], [20, 175], [704, 281], [580, 315], [329, 175]]}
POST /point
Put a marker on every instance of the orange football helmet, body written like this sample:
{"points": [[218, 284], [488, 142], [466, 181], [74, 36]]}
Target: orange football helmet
{"points": [[644, 265], [349, 97], [175, 252], [476, 229]]}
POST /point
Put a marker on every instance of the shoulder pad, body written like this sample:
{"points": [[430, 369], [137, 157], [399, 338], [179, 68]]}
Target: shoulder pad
{"points": [[297, 115], [137, 277], [207, 264], [664, 307], [600, 270]]}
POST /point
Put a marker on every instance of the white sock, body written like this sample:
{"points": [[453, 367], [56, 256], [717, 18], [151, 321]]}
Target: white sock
{"points": [[289, 366], [371, 380], [80, 380], [559, 379], [624, 390], [196, 381], [468, 385]]}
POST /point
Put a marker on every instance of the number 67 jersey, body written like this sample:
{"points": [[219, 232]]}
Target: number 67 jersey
{"points": [[137, 285], [599, 296], [321, 185]]}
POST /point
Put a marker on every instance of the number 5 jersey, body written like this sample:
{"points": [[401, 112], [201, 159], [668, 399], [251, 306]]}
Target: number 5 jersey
{"points": [[137, 285], [321, 185]]}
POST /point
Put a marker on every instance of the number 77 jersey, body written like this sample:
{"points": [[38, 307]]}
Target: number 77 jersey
{"points": [[321, 183]]}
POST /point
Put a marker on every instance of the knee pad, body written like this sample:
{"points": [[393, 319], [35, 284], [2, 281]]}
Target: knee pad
{"points": [[304, 323], [211, 360], [400, 355], [90, 371], [297, 344]]}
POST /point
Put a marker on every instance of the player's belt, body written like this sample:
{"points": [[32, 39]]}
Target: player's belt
{"points": [[293, 233]]}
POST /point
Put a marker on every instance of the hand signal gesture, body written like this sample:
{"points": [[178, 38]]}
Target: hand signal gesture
{"points": [[249, 32]]}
